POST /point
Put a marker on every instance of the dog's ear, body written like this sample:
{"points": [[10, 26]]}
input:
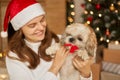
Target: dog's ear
{"points": [[91, 44]]}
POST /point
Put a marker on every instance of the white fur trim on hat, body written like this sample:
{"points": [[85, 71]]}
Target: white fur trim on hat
{"points": [[4, 34], [26, 15]]}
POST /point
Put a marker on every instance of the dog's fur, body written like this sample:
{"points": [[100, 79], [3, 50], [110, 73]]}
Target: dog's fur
{"points": [[84, 38]]}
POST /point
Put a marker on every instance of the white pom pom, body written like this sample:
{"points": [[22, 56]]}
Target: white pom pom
{"points": [[4, 34]]}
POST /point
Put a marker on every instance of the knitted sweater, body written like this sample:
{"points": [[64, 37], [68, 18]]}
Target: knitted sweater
{"points": [[18, 70]]}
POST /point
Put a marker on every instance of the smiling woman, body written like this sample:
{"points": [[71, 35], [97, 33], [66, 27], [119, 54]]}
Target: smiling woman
{"points": [[51, 7], [28, 44]]}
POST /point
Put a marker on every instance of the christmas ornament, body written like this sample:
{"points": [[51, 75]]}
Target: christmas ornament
{"points": [[98, 6], [106, 18], [83, 5], [90, 18], [107, 32], [112, 7], [107, 25]]}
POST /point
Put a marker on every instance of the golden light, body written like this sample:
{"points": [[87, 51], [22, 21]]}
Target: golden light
{"points": [[112, 7], [1, 55], [107, 40], [86, 12], [89, 0], [70, 19], [72, 13], [100, 15], [101, 39], [88, 22], [72, 6], [118, 3], [116, 11], [97, 29], [91, 12], [3, 76], [117, 42]]}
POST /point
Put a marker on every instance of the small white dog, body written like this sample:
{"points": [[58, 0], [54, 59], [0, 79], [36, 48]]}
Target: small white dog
{"points": [[81, 40]]}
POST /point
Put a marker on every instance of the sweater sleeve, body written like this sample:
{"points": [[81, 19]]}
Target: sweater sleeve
{"points": [[19, 71], [90, 78], [50, 76]]}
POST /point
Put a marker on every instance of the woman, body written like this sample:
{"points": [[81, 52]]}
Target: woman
{"points": [[26, 58]]}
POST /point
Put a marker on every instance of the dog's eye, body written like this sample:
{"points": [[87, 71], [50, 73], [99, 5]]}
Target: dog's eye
{"points": [[80, 39]]}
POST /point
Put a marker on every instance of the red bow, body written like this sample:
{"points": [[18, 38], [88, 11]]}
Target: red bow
{"points": [[73, 47]]}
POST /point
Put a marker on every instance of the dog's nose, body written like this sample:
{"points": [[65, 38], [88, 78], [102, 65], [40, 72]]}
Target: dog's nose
{"points": [[71, 39]]}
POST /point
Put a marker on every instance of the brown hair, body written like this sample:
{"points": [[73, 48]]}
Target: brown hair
{"points": [[25, 54]]}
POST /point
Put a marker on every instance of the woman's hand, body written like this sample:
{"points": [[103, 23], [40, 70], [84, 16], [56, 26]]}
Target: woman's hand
{"points": [[59, 59], [84, 67]]}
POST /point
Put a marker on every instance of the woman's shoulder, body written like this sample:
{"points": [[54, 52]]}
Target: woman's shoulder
{"points": [[12, 54]]}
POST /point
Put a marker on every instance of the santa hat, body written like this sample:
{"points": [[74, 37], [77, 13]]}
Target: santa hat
{"points": [[19, 12]]}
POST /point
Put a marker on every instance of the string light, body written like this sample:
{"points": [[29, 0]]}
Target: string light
{"points": [[86, 12], [107, 40], [1, 55], [89, 0], [97, 29], [72, 13], [88, 22], [101, 39], [3, 76], [72, 6], [100, 15], [118, 3], [91, 12], [117, 42], [70, 19], [116, 11]]}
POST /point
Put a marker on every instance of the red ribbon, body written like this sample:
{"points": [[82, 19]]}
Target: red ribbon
{"points": [[73, 47]]}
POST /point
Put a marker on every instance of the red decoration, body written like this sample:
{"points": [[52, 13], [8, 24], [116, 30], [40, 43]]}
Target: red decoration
{"points": [[107, 32], [98, 6], [73, 47], [90, 18], [83, 5]]}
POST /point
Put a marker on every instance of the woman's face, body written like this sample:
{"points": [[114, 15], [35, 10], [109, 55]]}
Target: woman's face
{"points": [[34, 30]]}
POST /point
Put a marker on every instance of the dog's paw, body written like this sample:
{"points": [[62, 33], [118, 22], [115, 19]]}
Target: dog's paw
{"points": [[83, 54], [52, 49]]}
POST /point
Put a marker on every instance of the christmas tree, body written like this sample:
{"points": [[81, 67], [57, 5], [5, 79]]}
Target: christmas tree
{"points": [[104, 17]]}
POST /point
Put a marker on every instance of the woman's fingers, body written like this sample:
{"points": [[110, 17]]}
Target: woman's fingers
{"points": [[62, 51]]}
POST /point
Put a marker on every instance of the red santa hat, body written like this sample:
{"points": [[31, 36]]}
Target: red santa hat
{"points": [[19, 12]]}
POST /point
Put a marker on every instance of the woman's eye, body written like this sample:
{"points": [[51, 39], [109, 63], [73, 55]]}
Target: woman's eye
{"points": [[31, 25]]}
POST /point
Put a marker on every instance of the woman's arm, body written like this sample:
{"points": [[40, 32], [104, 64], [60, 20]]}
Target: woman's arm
{"points": [[84, 67], [17, 71], [59, 59]]}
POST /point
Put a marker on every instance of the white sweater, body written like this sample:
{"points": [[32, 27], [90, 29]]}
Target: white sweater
{"points": [[19, 71]]}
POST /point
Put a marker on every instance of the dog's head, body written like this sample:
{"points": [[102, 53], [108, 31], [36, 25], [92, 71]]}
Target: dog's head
{"points": [[80, 35]]}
